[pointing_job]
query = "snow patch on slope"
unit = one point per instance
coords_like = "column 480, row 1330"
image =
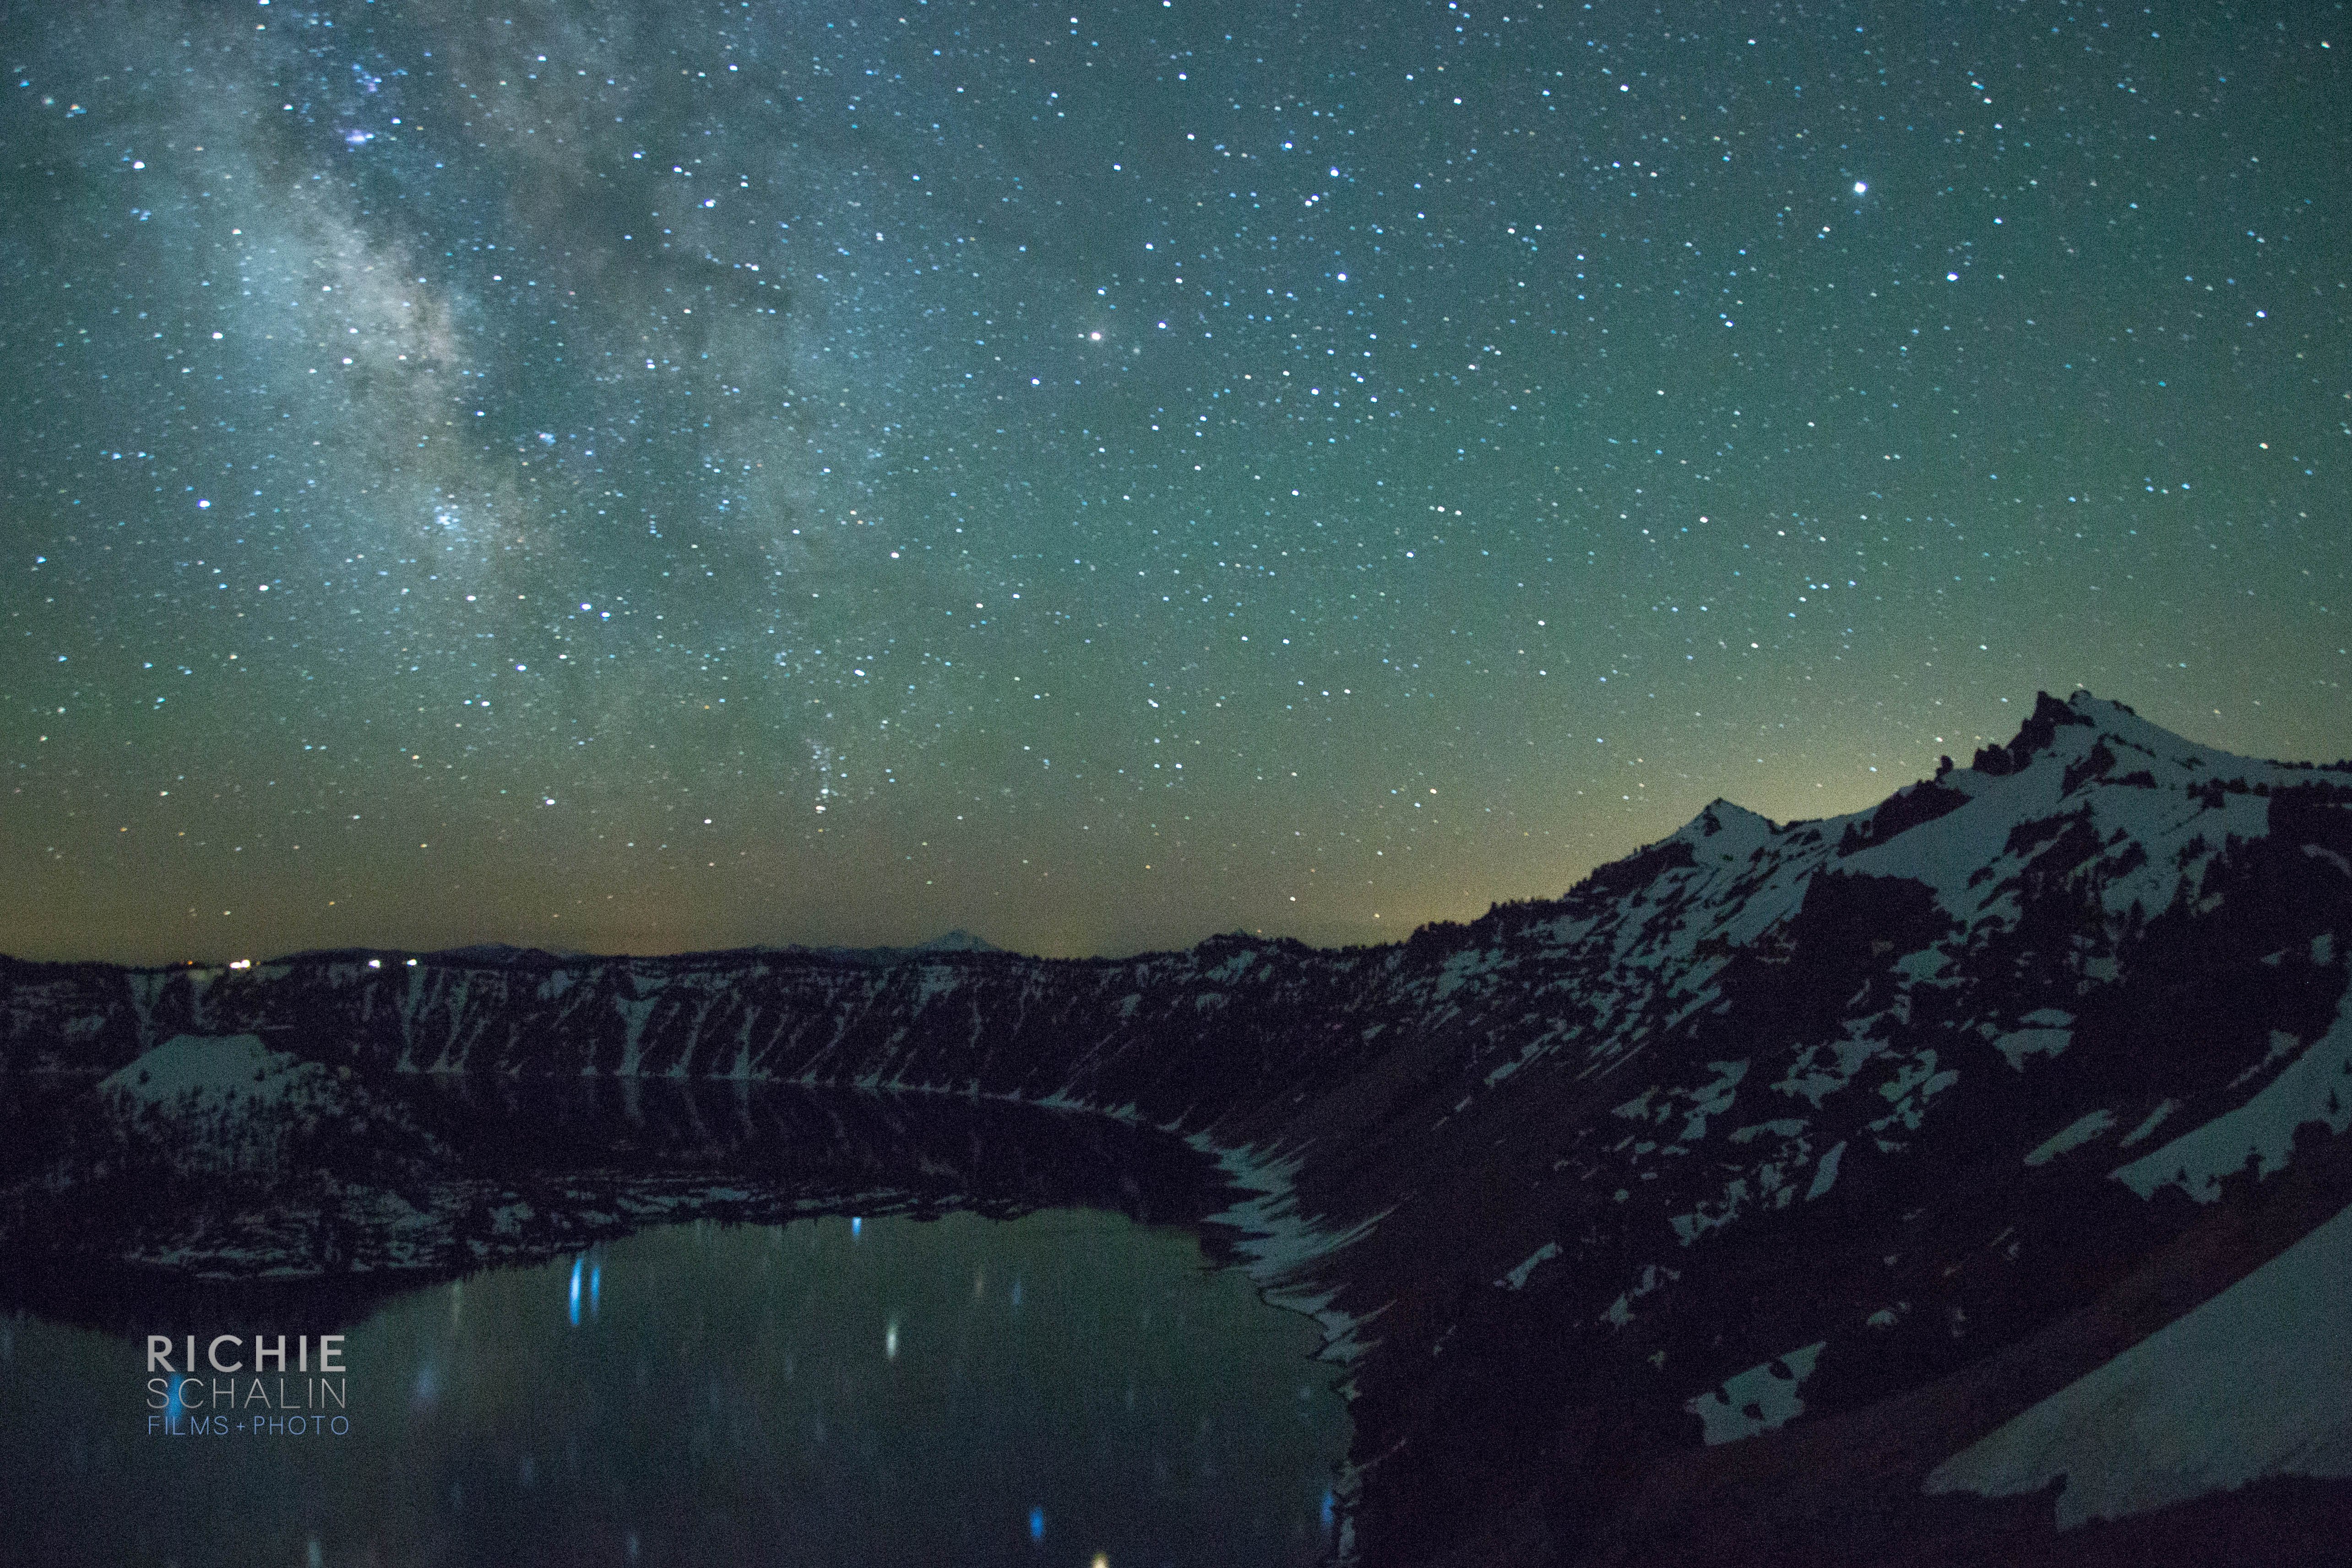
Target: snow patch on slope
column 1757, row 1400
column 1825, row 1174
column 1281, row 1243
column 216, row 1071
column 2314, row 1087
column 1517, row 1279
column 2255, row 1381
column 2072, row 1136
column 2046, row 1031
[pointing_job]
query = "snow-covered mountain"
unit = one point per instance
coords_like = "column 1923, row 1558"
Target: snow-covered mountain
column 1819, row 1190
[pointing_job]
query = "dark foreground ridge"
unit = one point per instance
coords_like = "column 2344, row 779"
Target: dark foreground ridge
column 1963, row 1181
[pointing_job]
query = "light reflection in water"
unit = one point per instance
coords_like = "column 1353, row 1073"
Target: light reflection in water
column 732, row 1409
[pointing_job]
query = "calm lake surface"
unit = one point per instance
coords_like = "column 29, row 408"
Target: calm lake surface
column 1064, row 1388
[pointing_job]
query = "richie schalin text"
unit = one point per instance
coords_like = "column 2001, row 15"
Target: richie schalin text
column 185, row 1402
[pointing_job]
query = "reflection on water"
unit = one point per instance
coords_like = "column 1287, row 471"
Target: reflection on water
column 1057, row 1389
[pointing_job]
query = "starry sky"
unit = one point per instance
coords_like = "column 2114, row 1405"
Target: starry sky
column 642, row 478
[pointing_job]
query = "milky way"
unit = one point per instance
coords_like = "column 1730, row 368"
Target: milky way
column 642, row 478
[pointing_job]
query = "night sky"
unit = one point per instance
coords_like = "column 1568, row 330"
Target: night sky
column 642, row 478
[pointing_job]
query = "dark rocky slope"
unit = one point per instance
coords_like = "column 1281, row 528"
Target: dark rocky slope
column 1702, row 1213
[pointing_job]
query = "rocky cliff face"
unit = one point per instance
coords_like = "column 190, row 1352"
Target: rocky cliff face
column 1733, row 1205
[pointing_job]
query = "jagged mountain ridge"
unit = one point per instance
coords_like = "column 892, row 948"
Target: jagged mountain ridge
column 505, row 954
column 1578, row 1142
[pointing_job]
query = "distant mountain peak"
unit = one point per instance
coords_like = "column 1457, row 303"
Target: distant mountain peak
column 499, row 953
column 958, row 941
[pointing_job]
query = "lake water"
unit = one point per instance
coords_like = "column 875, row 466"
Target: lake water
column 1064, row 1388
